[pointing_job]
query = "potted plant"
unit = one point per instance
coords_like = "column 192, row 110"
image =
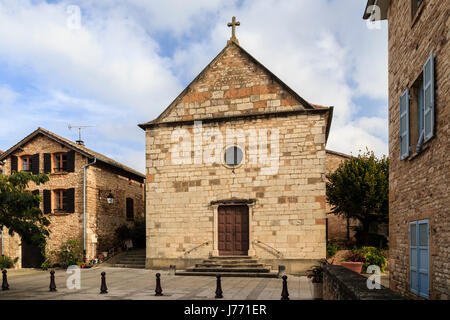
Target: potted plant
column 354, row 261
column 316, row 276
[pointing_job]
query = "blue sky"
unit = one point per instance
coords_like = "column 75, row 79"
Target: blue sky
column 129, row 59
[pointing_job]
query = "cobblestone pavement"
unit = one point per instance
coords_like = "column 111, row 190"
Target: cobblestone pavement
column 139, row 284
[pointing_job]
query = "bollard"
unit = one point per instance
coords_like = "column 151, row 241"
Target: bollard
column 219, row 288
column 103, row 287
column 5, row 285
column 285, row 293
column 158, row 290
column 52, row 281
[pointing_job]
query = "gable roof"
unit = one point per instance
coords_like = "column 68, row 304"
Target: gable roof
column 340, row 154
column 73, row 146
column 173, row 104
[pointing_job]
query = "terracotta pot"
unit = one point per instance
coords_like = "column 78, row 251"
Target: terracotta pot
column 354, row 266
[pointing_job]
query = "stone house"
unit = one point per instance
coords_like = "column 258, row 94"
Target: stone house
column 66, row 195
column 235, row 166
column 419, row 113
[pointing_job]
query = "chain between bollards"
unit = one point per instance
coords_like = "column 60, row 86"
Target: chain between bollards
column 284, row 293
column 158, row 289
column 5, row 285
column 219, row 288
column 52, row 281
column 103, row 287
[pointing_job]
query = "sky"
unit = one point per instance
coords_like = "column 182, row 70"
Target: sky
column 122, row 63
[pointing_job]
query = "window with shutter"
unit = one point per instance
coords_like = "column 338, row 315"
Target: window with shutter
column 404, row 125
column 47, row 163
column 47, row 202
column 419, row 258
column 35, row 161
column 70, row 200
column 70, row 161
column 14, row 164
column 428, row 89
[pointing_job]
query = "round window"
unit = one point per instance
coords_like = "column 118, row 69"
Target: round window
column 233, row 156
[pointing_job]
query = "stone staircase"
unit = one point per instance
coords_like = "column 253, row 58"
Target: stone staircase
column 132, row 259
column 230, row 266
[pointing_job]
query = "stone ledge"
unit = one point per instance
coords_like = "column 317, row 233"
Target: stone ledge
column 340, row 283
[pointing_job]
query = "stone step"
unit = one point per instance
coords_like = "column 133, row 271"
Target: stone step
column 211, row 261
column 128, row 265
column 230, row 274
column 236, row 265
column 218, row 269
column 230, row 257
column 131, row 259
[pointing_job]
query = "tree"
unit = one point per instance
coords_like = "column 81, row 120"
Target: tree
column 359, row 189
column 19, row 208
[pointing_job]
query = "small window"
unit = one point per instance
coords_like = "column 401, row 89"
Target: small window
column 130, row 209
column 233, row 156
column 415, row 5
column 27, row 163
column 60, row 200
column 60, row 162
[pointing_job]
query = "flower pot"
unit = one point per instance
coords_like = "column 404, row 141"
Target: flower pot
column 317, row 290
column 354, row 266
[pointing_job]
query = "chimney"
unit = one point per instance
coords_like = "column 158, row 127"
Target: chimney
column 80, row 142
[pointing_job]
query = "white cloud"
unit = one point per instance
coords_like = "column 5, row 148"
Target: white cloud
column 111, row 73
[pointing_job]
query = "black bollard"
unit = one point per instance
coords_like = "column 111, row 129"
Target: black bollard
column 5, row 285
column 158, row 290
column 284, row 293
column 103, row 288
column 219, row 288
column 52, row 281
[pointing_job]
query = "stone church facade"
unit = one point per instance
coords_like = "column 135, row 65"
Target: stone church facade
column 236, row 166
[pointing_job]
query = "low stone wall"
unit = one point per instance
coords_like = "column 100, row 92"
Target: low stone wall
column 340, row 283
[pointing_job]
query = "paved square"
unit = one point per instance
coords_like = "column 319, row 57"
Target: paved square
column 139, row 284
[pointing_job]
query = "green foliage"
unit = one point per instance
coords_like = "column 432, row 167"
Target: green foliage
column 332, row 248
column 373, row 256
column 316, row 273
column 359, row 188
column 123, row 233
column 7, row 262
column 45, row 265
column 355, row 256
column 19, row 208
column 70, row 253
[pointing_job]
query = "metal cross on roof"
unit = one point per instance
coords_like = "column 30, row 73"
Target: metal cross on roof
column 233, row 25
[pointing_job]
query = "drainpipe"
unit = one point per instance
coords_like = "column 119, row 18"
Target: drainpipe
column 1, row 227
column 84, row 206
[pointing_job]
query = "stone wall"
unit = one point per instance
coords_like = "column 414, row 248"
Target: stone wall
column 419, row 184
column 101, row 218
column 340, row 283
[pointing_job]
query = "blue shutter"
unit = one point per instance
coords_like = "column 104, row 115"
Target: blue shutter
column 413, row 262
column 419, row 257
column 423, row 257
column 404, row 125
column 428, row 88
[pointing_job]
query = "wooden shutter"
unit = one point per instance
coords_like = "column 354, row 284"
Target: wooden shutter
column 428, row 88
column 419, row 258
column 404, row 125
column 70, row 198
column 71, row 161
column 47, row 202
column 47, row 163
column 13, row 164
column 35, row 164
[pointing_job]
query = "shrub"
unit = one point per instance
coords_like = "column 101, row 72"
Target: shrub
column 70, row 253
column 373, row 256
column 332, row 248
column 7, row 262
column 355, row 256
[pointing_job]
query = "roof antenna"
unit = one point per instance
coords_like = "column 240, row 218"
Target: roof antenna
column 79, row 141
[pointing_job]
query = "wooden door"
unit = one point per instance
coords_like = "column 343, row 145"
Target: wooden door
column 233, row 230
column 31, row 256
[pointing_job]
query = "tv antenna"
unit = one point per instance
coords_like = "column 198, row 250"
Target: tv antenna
column 79, row 141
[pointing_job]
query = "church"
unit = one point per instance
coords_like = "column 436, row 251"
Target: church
column 236, row 167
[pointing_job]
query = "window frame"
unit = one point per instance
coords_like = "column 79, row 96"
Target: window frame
column 129, row 218
column 224, row 156
column 61, row 162
column 29, row 160
column 62, row 194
